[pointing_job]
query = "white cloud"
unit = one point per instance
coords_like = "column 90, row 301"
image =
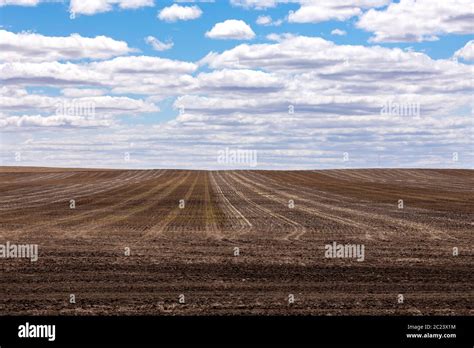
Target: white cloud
column 241, row 97
column 420, row 20
column 91, row 7
column 102, row 105
column 146, row 75
column 324, row 10
column 132, row 4
column 279, row 37
column 258, row 4
column 157, row 44
column 143, row 65
column 19, row 2
column 238, row 81
column 82, row 92
column 267, row 21
column 50, row 74
column 338, row 32
column 314, row 64
column 467, row 52
column 33, row 47
column 315, row 11
column 86, row 7
column 61, row 121
column 264, row 20
column 135, row 75
column 176, row 12
column 231, row 29
column 318, row 13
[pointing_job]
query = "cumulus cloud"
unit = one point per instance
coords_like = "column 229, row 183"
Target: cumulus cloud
column 143, row 65
column 315, row 11
column 82, row 92
column 61, row 121
column 420, row 20
column 158, row 45
column 92, row 106
column 50, row 74
column 258, row 4
column 338, row 32
column 19, row 2
column 132, row 4
column 264, row 20
column 86, row 7
column 134, row 74
column 91, row 7
column 34, row 47
column 231, row 29
column 324, row 10
column 176, row 12
column 267, row 20
column 362, row 78
column 242, row 80
column 467, row 52
column 301, row 101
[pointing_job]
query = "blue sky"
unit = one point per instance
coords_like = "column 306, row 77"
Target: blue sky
column 52, row 19
column 237, row 83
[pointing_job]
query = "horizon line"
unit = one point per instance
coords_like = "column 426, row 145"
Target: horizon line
column 232, row 169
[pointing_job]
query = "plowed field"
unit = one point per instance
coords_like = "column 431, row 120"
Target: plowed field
column 182, row 229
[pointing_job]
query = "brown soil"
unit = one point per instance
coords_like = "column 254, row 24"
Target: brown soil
column 190, row 250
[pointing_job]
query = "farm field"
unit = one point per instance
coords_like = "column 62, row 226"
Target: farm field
column 182, row 228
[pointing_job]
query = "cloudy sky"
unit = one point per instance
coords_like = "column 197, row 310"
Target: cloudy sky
column 301, row 84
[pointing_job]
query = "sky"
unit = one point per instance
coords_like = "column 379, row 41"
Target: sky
column 246, row 84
